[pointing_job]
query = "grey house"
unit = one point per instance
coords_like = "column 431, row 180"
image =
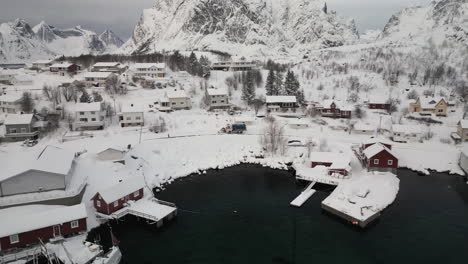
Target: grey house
column 47, row 170
column 20, row 127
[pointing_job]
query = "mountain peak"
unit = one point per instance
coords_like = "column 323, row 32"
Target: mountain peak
column 110, row 38
column 246, row 27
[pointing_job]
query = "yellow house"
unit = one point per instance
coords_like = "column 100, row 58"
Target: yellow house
column 462, row 130
column 429, row 106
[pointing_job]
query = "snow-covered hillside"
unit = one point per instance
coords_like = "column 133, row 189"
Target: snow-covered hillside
column 443, row 20
column 240, row 27
column 21, row 42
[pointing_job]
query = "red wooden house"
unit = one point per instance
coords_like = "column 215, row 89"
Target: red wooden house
column 114, row 198
column 380, row 157
column 332, row 108
column 22, row 230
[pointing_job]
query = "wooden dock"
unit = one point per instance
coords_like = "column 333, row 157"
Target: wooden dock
column 350, row 219
column 154, row 211
column 304, row 196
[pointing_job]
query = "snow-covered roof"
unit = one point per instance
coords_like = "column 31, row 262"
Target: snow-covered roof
column 177, row 94
column 429, row 102
column 338, row 104
column 43, row 61
column 380, row 140
column 407, row 129
column 212, row 92
column 463, row 123
column 375, row 149
column 280, row 99
column 106, row 64
column 61, row 65
column 97, row 74
column 298, row 122
column 40, row 219
column 88, row 107
column 329, row 157
column 364, row 127
column 121, row 189
column 19, row 119
column 132, row 108
column 149, row 65
column 49, row 159
column 10, row 98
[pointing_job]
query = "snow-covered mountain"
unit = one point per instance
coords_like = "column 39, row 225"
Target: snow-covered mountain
column 241, row 27
column 442, row 20
column 21, row 42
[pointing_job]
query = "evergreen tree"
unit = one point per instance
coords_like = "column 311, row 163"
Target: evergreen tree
column 289, row 87
column 325, row 8
column 248, row 89
column 270, row 83
column 27, row 103
column 300, row 97
column 205, row 67
column 278, row 87
column 85, row 98
column 192, row 65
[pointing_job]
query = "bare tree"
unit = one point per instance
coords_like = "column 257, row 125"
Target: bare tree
column 257, row 103
column 272, row 138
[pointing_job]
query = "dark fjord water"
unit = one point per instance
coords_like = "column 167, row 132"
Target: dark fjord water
column 242, row 215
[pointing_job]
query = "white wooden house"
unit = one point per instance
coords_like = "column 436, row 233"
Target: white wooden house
column 281, row 103
column 406, row 133
column 178, row 99
column 363, row 129
column 97, row 79
column 114, row 67
column 131, row 115
column 10, row 103
column 88, row 116
column 149, row 70
column 217, row 99
column 42, row 64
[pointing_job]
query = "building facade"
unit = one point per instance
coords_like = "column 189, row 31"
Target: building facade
column 281, row 103
column 149, row 70
column 333, row 109
column 19, row 127
column 217, row 99
column 114, row 198
column 88, row 116
column 131, row 116
column 429, row 106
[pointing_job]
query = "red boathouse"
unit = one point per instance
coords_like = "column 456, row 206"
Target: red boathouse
column 114, row 198
column 29, row 229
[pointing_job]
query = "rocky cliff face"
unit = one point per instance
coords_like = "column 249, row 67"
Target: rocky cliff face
column 241, row 27
column 441, row 21
column 20, row 42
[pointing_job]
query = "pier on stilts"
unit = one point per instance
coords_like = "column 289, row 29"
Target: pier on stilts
column 304, row 196
column 154, row 211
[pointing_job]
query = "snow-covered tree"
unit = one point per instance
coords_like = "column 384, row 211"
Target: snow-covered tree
column 27, row 103
column 85, row 98
column 248, row 89
column 270, row 83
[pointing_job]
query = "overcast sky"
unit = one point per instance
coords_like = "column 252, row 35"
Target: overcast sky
column 122, row 15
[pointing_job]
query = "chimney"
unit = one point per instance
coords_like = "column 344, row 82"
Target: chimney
column 131, row 105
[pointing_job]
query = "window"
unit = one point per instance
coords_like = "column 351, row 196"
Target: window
column 138, row 118
column 74, row 224
column 441, row 110
column 135, row 194
column 129, row 118
column 222, row 101
column 376, row 161
column 116, row 203
column 390, row 162
column 93, row 119
column 12, row 130
column 23, row 130
column 83, row 119
column 14, row 239
column 93, row 113
column 98, row 203
column 81, row 113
